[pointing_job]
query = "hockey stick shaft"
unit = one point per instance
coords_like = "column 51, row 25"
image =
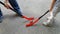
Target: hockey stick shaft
column 44, row 14
column 40, row 17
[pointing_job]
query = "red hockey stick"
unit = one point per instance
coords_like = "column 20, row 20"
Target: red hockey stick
column 33, row 22
column 30, row 18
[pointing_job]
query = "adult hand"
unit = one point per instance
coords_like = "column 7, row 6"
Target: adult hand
column 6, row 5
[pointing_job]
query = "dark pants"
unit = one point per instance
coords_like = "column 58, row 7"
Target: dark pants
column 1, row 16
column 0, row 13
column 14, row 4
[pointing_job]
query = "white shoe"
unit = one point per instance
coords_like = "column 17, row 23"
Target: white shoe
column 49, row 22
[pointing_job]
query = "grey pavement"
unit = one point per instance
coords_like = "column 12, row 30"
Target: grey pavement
column 32, row 8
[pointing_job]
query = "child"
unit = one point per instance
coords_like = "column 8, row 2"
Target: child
column 54, row 9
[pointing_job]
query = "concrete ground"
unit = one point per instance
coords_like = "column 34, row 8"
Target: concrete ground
column 32, row 8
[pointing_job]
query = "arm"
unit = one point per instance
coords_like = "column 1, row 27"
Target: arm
column 52, row 4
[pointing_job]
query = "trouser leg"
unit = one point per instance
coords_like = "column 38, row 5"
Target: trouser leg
column 14, row 4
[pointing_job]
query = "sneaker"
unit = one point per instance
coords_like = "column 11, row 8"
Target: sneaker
column 49, row 22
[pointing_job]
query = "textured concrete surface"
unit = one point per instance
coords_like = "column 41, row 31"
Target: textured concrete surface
column 15, row 25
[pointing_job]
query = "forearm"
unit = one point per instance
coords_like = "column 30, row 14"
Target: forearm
column 52, row 4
